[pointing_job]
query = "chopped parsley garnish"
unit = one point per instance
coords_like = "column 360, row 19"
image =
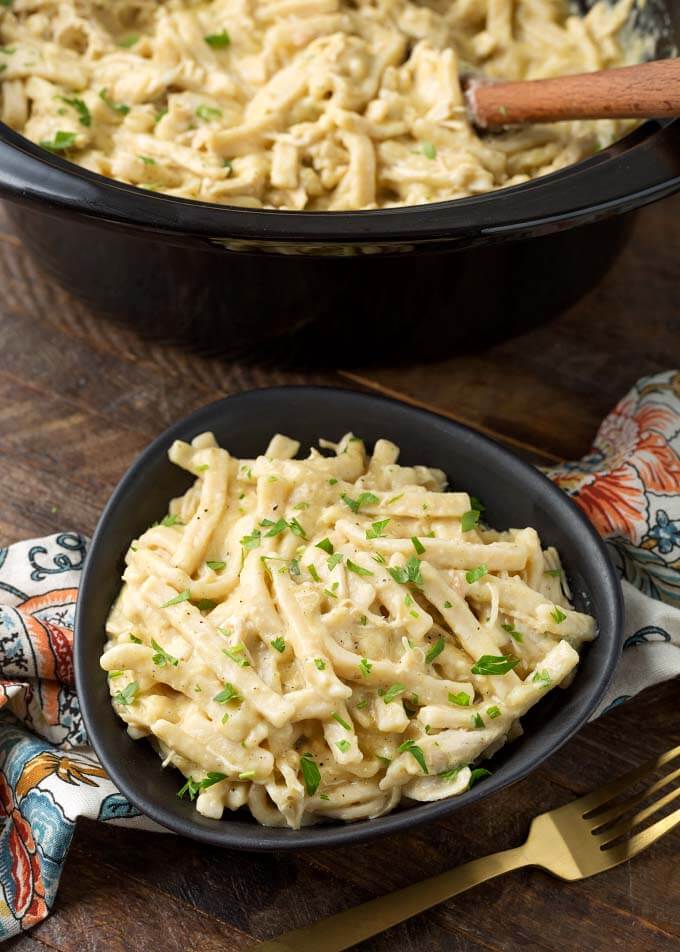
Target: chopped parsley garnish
column 162, row 657
column 366, row 667
column 462, row 699
column 135, row 640
column 310, row 774
column 194, row 787
column 127, row 695
column 171, row 520
column 147, row 160
column 493, row 712
column 332, row 482
column 228, row 693
column 127, row 41
column 362, row 704
column 216, row 566
column 363, row 620
column 205, row 604
column 377, row 529
column 408, row 573
column 208, row 112
column 252, row 541
column 435, row 650
column 319, row 664
column 380, row 559
column 218, row 41
column 558, row 615
column 182, row 597
column 343, row 745
column 116, row 674
column 341, row 722
column 334, row 560
column 324, row 796
column 542, row 677
column 301, row 506
column 477, row 720
column 475, row 574
column 478, row 774
column 494, row 664
column 274, row 527
column 390, row 502
column 326, row 545
column 429, row 150
column 448, row 605
column 297, row 529
column 118, row 107
column 278, row 644
column 313, row 572
column 417, row 545
column 237, row 653
column 357, row 569
column 553, row 573
column 393, row 692
column 331, row 593
column 61, row 143
column 512, row 631
column 410, row 747
column 364, row 499
column 84, row 116
column 451, row 773
column 470, row 519
column 247, row 775
column 294, row 567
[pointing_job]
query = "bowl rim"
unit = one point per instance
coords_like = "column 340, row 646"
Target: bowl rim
column 637, row 169
column 322, row 836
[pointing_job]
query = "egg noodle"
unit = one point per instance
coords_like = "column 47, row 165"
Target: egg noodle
column 317, row 639
column 298, row 104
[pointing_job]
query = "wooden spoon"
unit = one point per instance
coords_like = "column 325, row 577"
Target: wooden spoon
column 647, row 91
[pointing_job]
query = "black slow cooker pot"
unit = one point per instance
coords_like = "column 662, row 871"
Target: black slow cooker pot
column 419, row 280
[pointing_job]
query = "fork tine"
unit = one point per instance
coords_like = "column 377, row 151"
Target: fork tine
column 601, row 797
column 600, row 818
column 629, row 824
column 629, row 848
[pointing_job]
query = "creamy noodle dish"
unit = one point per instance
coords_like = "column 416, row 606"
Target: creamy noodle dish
column 298, row 104
column 323, row 638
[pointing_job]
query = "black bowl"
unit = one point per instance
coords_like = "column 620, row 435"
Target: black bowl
column 515, row 494
column 226, row 278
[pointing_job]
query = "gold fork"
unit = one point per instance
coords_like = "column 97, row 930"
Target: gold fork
column 572, row 842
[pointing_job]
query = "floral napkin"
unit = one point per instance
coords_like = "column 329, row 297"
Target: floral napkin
column 629, row 486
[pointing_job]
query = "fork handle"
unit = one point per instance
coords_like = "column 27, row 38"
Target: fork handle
column 361, row 922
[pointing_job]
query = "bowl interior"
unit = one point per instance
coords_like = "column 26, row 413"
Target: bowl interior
column 514, row 493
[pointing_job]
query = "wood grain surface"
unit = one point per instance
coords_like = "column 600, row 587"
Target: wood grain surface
column 79, row 397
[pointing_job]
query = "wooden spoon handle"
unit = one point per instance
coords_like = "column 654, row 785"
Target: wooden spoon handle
column 646, row 91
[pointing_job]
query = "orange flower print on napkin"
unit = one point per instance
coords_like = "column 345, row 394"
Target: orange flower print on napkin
column 635, row 453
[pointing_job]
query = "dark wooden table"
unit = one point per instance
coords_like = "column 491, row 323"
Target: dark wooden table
column 80, row 397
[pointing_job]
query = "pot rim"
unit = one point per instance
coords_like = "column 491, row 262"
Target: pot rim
column 638, row 169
